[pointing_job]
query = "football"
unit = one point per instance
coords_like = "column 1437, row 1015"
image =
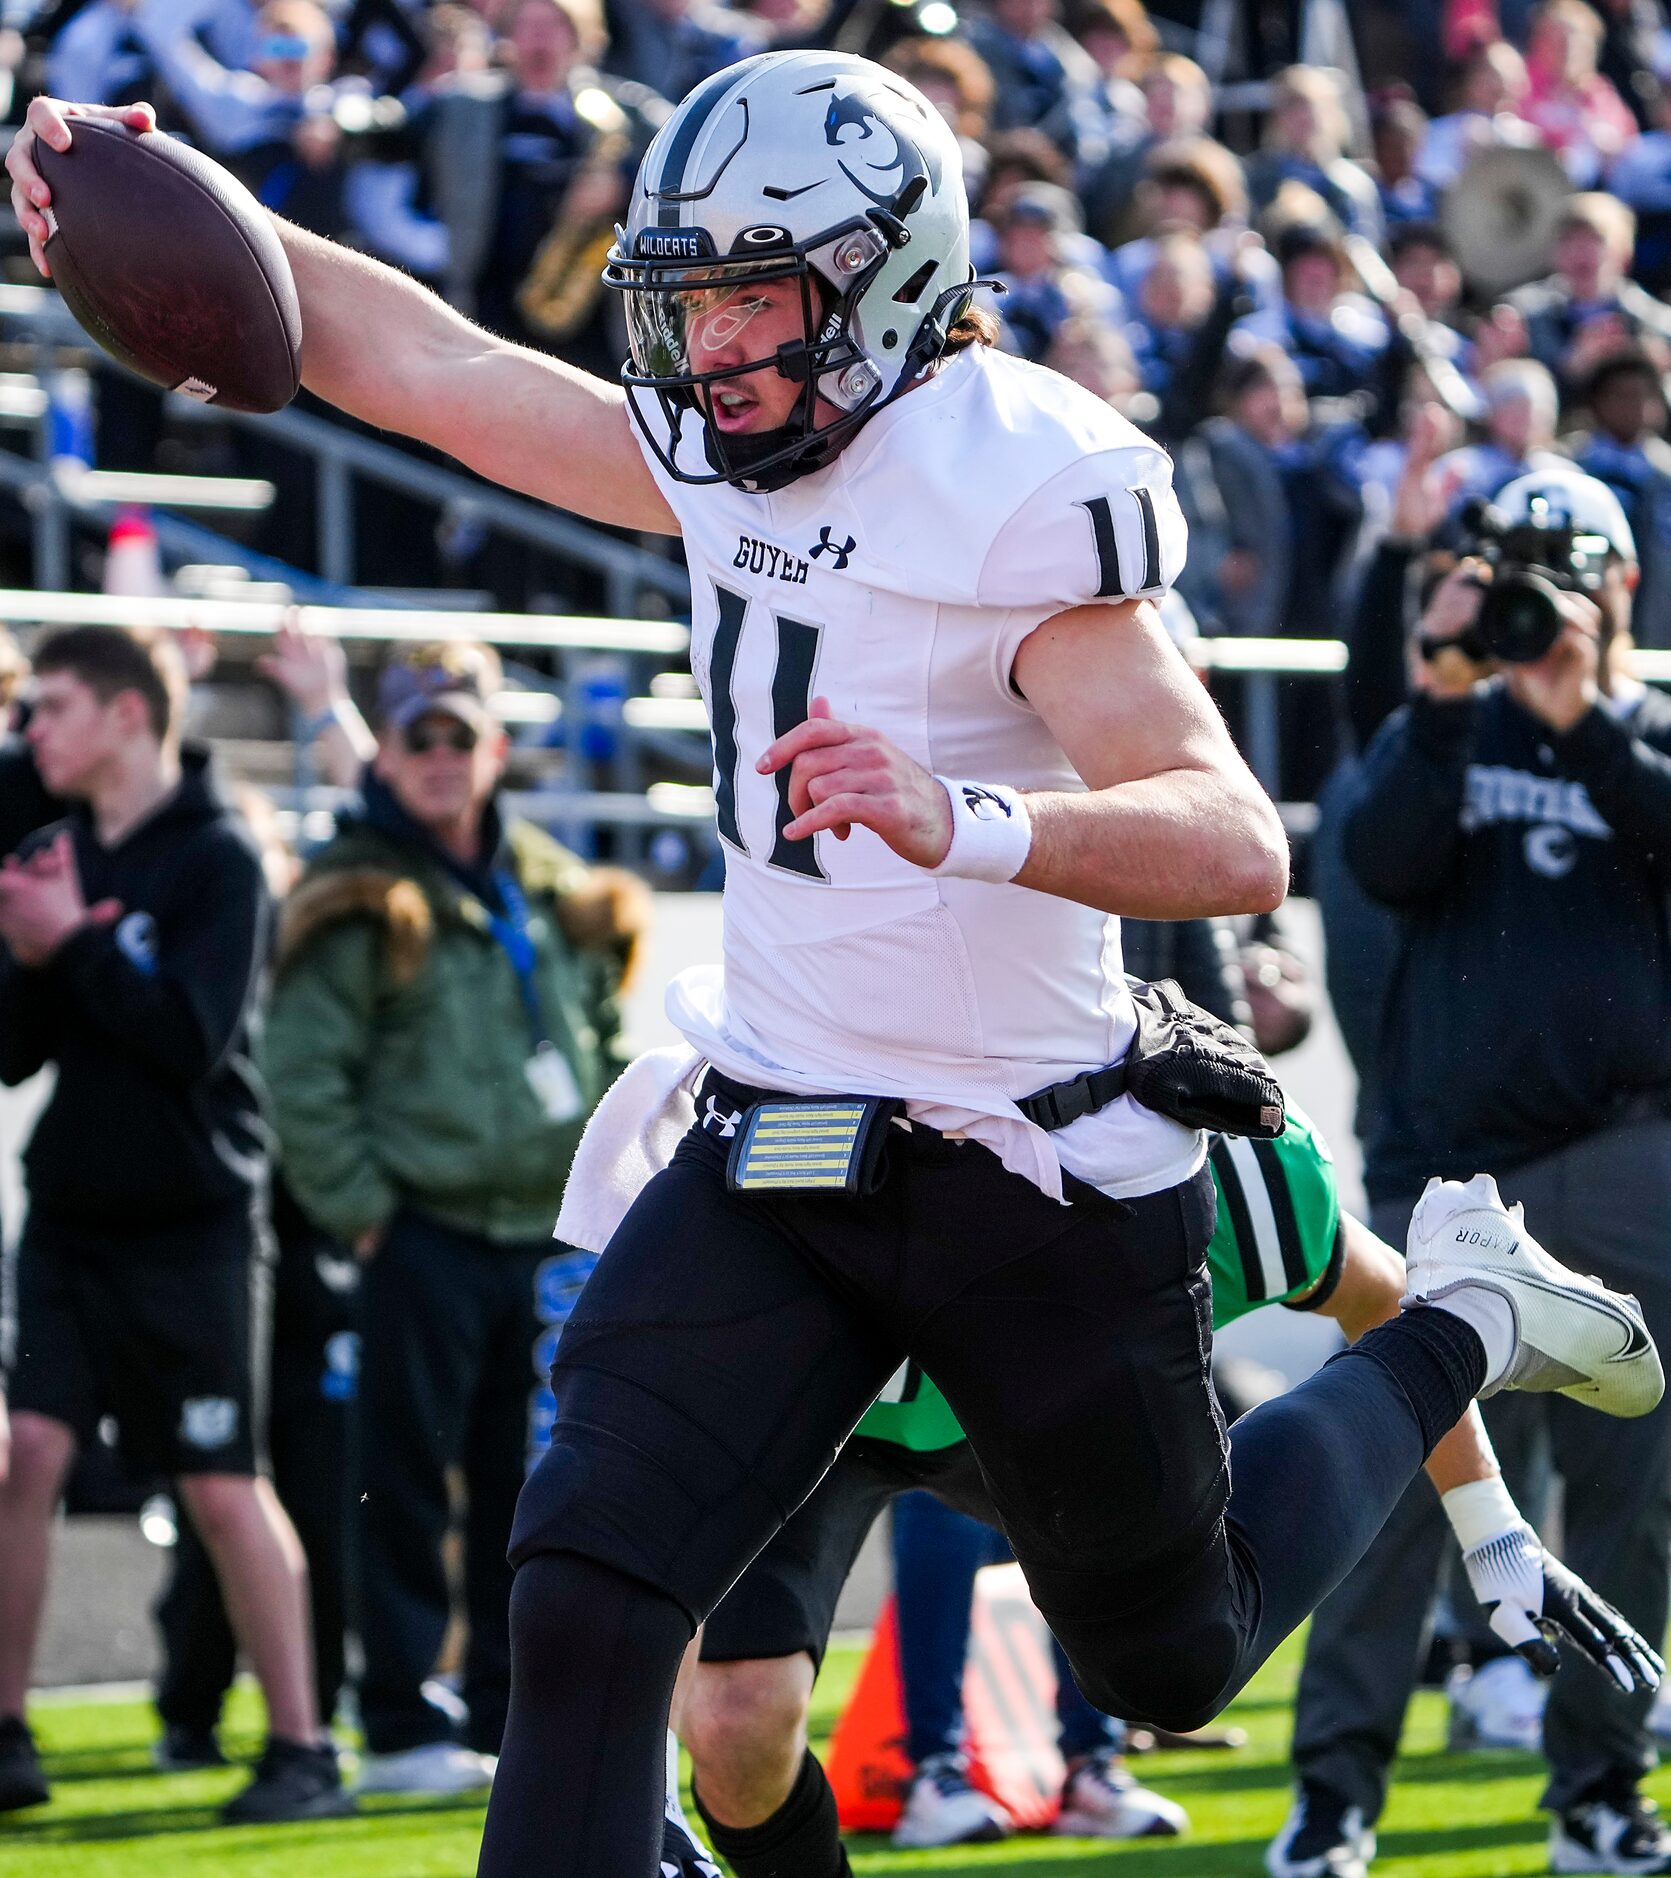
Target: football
column 172, row 266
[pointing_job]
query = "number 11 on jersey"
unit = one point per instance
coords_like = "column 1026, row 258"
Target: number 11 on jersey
column 797, row 660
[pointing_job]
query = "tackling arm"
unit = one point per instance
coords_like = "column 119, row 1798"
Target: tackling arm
column 1527, row 1593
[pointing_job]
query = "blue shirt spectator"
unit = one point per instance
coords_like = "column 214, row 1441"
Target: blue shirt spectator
column 1334, row 337
column 1305, row 142
column 1397, row 130
column 1040, row 72
column 1038, row 236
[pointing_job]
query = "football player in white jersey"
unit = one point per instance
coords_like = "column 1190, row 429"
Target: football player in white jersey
column 952, row 745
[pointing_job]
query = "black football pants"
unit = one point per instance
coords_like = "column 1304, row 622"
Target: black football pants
column 727, row 1344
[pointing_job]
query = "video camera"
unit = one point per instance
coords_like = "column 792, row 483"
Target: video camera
column 1532, row 563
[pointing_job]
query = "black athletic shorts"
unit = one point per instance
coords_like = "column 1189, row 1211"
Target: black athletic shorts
column 727, row 1344
column 786, row 1601
column 165, row 1329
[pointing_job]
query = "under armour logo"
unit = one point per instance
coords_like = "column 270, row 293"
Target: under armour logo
column 841, row 550
column 727, row 1123
column 982, row 803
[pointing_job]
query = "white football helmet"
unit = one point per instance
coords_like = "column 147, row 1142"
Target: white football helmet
column 1567, row 498
column 815, row 166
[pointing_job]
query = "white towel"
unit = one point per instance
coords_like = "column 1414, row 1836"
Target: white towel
column 630, row 1139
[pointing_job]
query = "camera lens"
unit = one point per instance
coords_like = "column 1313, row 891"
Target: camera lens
column 1520, row 617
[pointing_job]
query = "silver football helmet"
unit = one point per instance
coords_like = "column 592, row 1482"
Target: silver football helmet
column 813, row 166
column 1566, row 498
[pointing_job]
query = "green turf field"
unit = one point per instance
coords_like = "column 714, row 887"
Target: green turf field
column 1451, row 1816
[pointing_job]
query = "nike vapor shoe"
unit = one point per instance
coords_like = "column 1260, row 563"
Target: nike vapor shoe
column 1572, row 1334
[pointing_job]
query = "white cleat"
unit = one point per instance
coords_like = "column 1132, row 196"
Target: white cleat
column 942, row 1808
column 1101, row 1799
column 1572, row 1334
column 436, row 1767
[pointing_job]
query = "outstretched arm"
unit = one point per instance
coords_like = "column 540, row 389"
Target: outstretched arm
column 388, row 351
column 393, row 354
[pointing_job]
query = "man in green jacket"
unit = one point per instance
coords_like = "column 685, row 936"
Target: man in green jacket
column 444, row 1020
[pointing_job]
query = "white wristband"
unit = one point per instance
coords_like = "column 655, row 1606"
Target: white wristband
column 1480, row 1511
column 992, row 832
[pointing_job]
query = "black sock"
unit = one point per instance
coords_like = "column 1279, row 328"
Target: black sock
column 1436, row 1359
column 582, row 1780
column 801, row 1839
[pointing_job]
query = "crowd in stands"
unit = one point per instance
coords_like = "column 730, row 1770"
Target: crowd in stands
column 1270, row 277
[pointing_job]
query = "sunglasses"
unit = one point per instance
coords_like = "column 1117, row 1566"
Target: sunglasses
column 420, row 738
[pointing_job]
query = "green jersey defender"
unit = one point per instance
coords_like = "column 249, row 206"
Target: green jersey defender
column 1278, row 1240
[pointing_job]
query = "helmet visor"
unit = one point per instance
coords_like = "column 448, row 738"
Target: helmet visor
column 711, row 320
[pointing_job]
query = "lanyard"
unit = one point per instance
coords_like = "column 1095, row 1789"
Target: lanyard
column 511, row 930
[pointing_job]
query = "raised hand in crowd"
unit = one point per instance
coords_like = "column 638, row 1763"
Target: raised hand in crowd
column 1418, row 502
column 311, row 669
column 198, row 652
column 1500, row 335
column 1593, row 342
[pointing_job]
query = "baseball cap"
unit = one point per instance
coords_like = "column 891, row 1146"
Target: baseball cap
column 1571, row 500
column 451, row 679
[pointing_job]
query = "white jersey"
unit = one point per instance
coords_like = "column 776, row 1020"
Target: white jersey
column 898, row 583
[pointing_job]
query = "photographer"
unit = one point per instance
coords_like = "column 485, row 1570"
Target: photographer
column 1517, row 815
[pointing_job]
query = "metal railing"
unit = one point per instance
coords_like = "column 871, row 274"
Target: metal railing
column 659, row 710
column 560, row 631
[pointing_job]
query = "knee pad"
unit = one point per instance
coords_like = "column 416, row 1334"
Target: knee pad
column 1178, row 1681
column 572, row 1616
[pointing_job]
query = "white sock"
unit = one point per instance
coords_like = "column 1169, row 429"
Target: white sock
column 1491, row 1317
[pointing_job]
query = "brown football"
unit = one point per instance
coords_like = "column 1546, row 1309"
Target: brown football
column 172, row 266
